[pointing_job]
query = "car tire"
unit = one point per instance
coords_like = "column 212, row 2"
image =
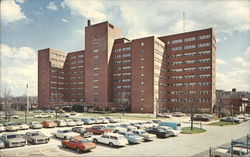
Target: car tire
column 111, row 144
column 95, row 140
column 78, row 150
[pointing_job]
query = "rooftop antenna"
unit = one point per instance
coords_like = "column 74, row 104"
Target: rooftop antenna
column 184, row 22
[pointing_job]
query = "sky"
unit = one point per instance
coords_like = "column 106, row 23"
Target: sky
column 30, row 25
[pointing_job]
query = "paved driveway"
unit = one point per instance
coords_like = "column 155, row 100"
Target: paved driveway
column 183, row 145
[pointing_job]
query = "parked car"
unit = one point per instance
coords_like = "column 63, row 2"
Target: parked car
column 112, row 140
column 159, row 132
column 35, row 125
column 70, row 122
column 37, row 111
column 13, row 140
column 177, row 114
column 227, row 152
column 60, row 123
column 98, row 129
column 22, row 126
column 15, row 117
column 164, row 115
column 79, row 144
column 64, row 134
column 78, row 122
column 49, row 124
column 156, row 121
column 49, row 111
column 43, row 116
column 87, row 121
column 2, row 144
column 112, row 120
column 36, row 137
column 2, row 128
column 231, row 119
column 131, row 137
column 10, row 126
column 73, row 113
column 146, row 136
column 201, row 118
column 82, row 131
column 242, row 117
column 63, row 115
column 96, row 121
column 102, row 120
column 128, row 127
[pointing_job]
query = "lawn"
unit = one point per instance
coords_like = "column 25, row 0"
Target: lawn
column 222, row 123
column 187, row 130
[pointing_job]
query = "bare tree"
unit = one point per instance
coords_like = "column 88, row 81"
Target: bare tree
column 7, row 101
column 123, row 102
column 222, row 100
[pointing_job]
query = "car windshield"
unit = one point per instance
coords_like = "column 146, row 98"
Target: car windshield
column 102, row 127
column 35, row 134
column 84, row 141
column 130, row 134
column 143, row 132
column 13, row 136
column 66, row 131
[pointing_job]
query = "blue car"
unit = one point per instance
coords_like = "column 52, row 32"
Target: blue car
column 131, row 137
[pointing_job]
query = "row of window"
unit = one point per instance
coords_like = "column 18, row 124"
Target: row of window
column 123, row 55
column 74, row 67
column 190, row 39
column 79, row 56
column 190, row 84
column 178, row 48
column 122, row 74
column 125, row 86
column 79, row 61
column 122, row 49
column 188, row 92
column 123, row 80
column 189, row 100
column 122, row 62
column 122, row 68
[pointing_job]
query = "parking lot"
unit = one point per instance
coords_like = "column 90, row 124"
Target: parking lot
column 183, row 145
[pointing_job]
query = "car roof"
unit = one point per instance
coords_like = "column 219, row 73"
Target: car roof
column 78, row 138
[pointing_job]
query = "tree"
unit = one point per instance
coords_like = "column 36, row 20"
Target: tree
column 222, row 100
column 123, row 102
column 58, row 101
column 7, row 101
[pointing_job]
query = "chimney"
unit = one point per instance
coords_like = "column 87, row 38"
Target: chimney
column 89, row 22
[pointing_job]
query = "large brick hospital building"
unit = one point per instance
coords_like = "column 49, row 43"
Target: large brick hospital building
column 152, row 73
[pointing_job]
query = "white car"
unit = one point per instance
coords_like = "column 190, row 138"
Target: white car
column 112, row 140
column 64, row 134
column 43, row 116
column 176, row 132
column 22, row 126
column 2, row 128
column 78, row 122
column 35, row 125
column 11, row 126
column 146, row 136
column 102, row 120
column 70, row 122
column 60, row 123
column 128, row 127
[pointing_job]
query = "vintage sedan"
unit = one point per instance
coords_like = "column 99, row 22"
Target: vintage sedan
column 112, row 140
column 43, row 116
column 70, row 122
column 201, row 118
column 160, row 132
column 36, row 137
column 78, row 122
column 231, row 119
column 82, row 131
column 60, row 123
column 79, row 144
column 98, row 129
column 13, row 140
column 128, row 127
column 64, row 134
column 22, row 126
column 10, row 126
column 102, row 120
column 131, row 137
column 146, row 136
column 87, row 121
column 2, row 144
column 49, row 124
column 2, row 128
column 35, row 125
column 112, row 120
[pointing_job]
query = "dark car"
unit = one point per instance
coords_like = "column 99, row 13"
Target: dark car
column 201, row 118
column 231, row 119
column 159, row 132
column 82, row 131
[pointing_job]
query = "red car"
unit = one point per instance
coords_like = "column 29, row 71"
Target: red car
column 79, row 144
column 49, row 124
column 98, row 129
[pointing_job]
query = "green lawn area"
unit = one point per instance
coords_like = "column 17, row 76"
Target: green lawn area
column 187, row 130
column 222, row 123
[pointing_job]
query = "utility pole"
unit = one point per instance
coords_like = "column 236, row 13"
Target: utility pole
column 27, row 106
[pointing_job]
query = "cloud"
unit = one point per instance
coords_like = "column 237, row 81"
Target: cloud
column 93, row 9
column 52, row 6
column 11, row 12
column 220, row 61
column 64, row 20
column 19, row 67
column 245, row 60
column 20, row 1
